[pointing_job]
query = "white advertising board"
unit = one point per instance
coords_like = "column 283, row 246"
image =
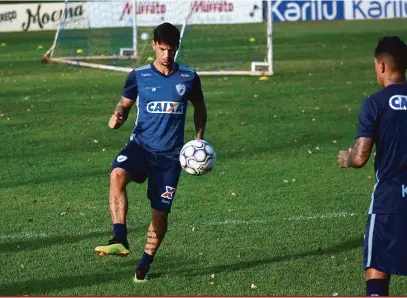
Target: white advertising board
column 102, row 14
column 43, row 16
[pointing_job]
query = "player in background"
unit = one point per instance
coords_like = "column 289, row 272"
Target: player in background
column 161, row 91
column 383, row 122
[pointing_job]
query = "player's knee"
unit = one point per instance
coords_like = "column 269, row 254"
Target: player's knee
column 118, row 177
column 372, row 273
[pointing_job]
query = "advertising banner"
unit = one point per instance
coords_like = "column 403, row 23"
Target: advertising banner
column 119, row 13
column 368, row 9
column 314, row 10
column 42, row 16
column 153, row 13
column 106, row 14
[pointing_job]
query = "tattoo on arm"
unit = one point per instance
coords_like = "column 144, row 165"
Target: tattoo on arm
column 123, row 109
column 120, row 108
column 363, row 147
column 361, row 152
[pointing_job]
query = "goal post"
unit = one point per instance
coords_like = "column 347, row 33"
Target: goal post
column 218, row 37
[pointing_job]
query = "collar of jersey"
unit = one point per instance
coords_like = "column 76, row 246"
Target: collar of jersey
column 176, row 66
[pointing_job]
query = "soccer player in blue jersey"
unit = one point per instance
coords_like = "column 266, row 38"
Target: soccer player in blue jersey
column 161, row 91
column 383, row 122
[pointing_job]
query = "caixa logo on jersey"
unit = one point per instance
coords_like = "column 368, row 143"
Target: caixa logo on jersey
column 313, row 10
column 398, row 102
column 165, row 107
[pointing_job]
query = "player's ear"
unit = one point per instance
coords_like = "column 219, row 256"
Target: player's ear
column 153, row 44
column 382, row 66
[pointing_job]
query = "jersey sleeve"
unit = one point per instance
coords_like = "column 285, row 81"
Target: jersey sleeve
column 367, row 119
column 130, row 89
column 196, row 92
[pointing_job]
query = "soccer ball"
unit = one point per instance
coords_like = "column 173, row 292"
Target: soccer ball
column 145, row 36
column 197, row 157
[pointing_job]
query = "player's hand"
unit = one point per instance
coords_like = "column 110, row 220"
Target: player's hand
column 344, row 158
column 116, row 120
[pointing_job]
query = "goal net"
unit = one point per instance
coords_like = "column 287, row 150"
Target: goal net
column 217, row 36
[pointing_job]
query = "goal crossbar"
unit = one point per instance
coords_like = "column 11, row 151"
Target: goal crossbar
column 68, row 61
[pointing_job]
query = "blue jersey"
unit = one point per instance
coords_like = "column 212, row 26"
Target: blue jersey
column 162, row 102
column 383, row 117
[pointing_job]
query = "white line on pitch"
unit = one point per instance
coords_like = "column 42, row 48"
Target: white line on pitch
column 291, row 218
column 323, row 216
column 33, row 235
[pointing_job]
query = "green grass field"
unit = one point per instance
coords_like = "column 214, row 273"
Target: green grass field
column 277, row 213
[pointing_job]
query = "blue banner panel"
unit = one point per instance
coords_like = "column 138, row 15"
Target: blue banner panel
column 313, row 10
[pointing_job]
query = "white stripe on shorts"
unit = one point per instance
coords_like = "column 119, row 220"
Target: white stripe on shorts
column 370, row 240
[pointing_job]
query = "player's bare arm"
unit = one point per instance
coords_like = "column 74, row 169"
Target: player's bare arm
column 357, row 156
column 199, row 118
column 121, row 113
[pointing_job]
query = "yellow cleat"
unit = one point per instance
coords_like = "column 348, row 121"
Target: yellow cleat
column 113, row 248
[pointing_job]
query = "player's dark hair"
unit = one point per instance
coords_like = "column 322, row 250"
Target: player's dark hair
column 394, row 50
column 167, row 33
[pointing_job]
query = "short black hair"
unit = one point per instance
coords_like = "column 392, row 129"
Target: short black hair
column 167, row 33
column 394, row 50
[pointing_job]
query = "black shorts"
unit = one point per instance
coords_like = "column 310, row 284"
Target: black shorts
column 161, row 172
column 385, row 246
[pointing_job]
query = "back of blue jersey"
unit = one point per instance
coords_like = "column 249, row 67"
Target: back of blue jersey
column 383, row 117
column 162, row 102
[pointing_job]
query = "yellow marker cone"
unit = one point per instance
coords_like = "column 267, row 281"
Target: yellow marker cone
column 150, row 59
column 79, row 51
column 263, row 78
column 40, row 47
column 3, row 44
column 252, row 39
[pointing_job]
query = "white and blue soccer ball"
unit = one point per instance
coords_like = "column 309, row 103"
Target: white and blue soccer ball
column 197, row 157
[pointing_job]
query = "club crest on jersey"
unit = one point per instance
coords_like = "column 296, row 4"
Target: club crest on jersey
column 181, row 89
column 121, row 158
column 169, row 193
column 165, row 107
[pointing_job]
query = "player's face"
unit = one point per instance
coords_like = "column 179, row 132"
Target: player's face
column 379, row 71
column 164, row 53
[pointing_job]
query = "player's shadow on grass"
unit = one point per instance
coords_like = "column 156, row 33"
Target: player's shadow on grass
column 56, row 178
column 40, row 242
column 345, row 246
column 44, row 286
